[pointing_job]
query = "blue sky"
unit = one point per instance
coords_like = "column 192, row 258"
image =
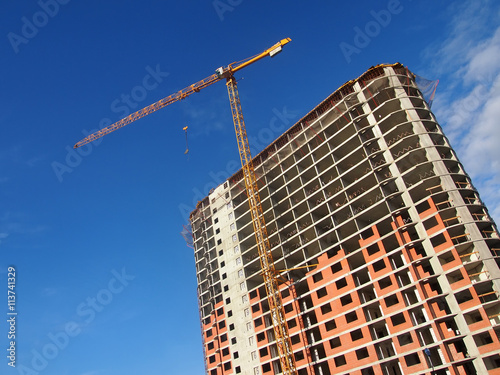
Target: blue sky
column 102, row 270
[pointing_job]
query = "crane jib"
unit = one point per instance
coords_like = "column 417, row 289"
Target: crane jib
column 272, row 287
column 196, row 87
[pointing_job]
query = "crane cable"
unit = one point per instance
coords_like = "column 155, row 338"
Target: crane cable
column 186, row 132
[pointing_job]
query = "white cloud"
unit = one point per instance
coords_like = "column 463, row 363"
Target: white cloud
column 34, row 161
column 48, row 292
column 483, row 64
column 469, row 107
column 2, row 236
column 205, row 120
column 12, row 223
column 466, row 29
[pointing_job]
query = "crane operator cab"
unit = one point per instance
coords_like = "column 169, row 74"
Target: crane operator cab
column 221, row 72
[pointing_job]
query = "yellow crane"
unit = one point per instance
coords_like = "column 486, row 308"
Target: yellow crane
column 269, row 272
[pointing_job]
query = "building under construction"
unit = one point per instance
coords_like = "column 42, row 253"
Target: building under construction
column 388, row 260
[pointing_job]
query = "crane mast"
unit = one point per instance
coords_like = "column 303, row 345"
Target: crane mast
column 276, row 310
column 269, row 273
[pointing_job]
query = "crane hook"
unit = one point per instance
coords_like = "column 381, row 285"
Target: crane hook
column 185, row 131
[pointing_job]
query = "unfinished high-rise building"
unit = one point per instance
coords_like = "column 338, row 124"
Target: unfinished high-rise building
column 388, row 259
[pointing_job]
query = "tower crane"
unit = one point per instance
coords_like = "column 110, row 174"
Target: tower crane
column 269, row 272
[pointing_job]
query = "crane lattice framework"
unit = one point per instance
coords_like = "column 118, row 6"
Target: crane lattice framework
column 269, row 273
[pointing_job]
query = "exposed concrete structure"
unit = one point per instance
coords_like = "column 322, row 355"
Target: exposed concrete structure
column 391, row 260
